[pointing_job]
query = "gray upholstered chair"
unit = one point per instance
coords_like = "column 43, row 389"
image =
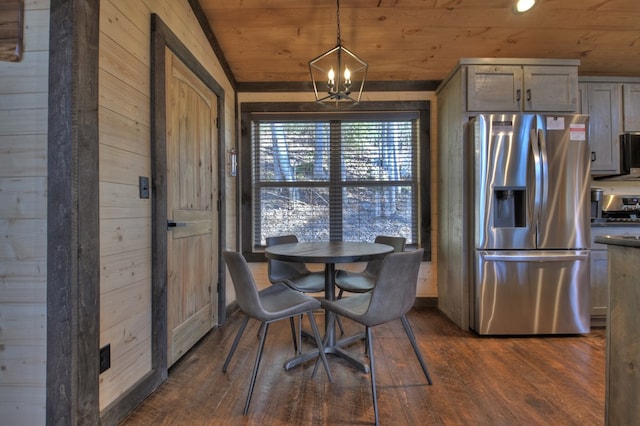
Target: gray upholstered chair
column 362, row 282
column 391, row 298
column 296, row 275
column 274, row 303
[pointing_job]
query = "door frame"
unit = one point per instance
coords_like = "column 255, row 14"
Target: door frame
column 161, row 37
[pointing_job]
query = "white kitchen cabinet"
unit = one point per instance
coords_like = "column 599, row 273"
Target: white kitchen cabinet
column 530, row 88
column 601, row 100
column 631, row 107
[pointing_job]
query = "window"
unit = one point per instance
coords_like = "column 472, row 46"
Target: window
column 333, row 175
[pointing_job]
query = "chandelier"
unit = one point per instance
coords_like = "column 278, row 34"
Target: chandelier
column 338, row 75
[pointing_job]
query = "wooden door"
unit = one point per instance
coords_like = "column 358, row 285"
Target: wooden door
column 192, row 241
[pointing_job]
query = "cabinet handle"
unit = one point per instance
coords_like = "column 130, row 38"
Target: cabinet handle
column 528, row 95
column 518, row 94
column 593, row 156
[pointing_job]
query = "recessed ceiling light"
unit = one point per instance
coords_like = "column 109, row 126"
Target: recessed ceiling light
column 524, row 5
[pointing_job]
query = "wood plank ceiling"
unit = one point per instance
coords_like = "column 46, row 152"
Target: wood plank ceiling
column 421, row 40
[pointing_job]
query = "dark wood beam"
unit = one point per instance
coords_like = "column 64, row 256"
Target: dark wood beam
column 73, row 244
column 369, row 86
column 213, row 41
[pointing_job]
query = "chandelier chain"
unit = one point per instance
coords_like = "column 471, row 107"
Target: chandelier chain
column 338, row 21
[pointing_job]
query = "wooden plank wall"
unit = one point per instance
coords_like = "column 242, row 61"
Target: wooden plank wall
column 23, row 207
column 125, row 219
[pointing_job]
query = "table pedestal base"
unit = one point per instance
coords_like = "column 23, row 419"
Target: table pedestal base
column 329, row 253
column 332, row 345
column 332, row 350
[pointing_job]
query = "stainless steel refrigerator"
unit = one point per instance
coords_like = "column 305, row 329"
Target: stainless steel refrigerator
column 529, row 187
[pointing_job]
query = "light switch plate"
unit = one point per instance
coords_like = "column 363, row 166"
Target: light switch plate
column 144, row 187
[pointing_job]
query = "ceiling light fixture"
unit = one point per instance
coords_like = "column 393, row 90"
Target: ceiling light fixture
column 338, row 75
column 523, row 5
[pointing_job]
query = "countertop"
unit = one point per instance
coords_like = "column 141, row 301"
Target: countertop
column 597, row 224
column 620, row 240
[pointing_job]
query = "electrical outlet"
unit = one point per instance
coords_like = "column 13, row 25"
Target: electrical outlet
column 105, row 358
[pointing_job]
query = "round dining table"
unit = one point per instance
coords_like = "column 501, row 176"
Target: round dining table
column 329, row 253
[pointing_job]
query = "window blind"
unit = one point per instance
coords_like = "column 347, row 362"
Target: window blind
column 335, row 178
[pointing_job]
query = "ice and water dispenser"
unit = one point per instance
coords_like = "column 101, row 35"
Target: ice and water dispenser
column 509, row 207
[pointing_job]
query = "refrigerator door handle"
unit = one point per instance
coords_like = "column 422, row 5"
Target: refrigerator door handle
column 544, row 162
column 537, row 167
column 536, row 256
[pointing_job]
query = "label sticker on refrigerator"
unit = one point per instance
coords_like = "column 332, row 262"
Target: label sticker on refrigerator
column 555, row 123
column 505, row 126
column 577, row 132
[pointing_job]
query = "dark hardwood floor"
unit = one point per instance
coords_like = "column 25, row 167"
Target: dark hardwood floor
column 476, row 380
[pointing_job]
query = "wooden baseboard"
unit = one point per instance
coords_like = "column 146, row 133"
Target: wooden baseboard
column 598, row 322
column 231, row 308
column 425, row 302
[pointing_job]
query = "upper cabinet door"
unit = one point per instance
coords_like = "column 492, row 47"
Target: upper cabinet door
column 550, row 88
column 494, row 88
column 515, row 88
column 602, row 102
column 631, row 107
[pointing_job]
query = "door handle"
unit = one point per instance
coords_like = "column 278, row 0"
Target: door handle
column 172, row 224
column 535, row 256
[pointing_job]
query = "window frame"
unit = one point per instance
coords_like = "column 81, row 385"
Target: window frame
column 249, row 110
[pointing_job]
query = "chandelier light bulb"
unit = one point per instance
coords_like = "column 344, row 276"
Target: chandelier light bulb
column 332, row 75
